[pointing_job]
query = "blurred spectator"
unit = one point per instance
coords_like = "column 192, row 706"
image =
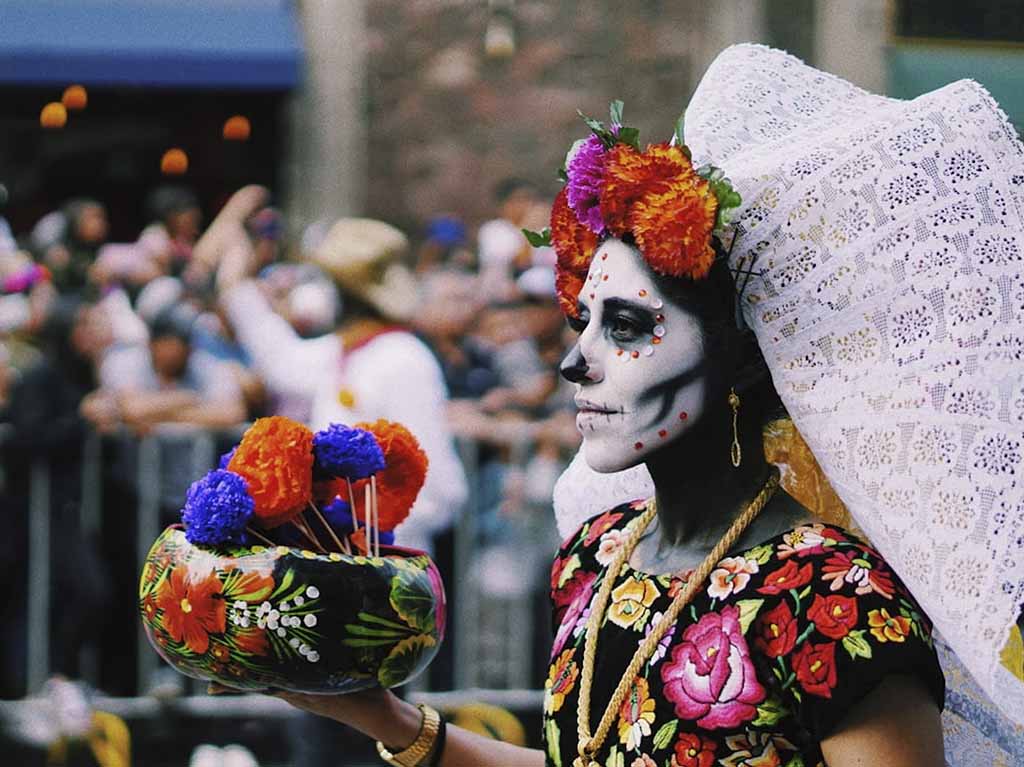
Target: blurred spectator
column 503, row 250
column 70, row 256
column 371, row 367
column 42, row 411
column 169, row 382
column 444, row 246
column 176, row 217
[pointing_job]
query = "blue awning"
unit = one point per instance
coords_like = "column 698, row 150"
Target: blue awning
column 169, row 43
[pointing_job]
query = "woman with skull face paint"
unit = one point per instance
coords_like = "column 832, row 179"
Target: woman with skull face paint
column 717, row 623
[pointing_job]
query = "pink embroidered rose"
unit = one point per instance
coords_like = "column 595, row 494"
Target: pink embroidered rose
column 711, row 678
column 570, row 602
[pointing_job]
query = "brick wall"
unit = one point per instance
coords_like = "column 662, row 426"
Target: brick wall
column 446, row 122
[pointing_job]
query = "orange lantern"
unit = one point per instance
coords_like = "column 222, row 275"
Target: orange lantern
column 237, row 128
column 54, row 116
column 75, row 97
column 174, row 162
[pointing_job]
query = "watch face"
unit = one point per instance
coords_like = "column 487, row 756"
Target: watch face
column 260, row 617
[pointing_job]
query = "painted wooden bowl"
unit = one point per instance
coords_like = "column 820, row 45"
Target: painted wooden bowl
column 259, row 617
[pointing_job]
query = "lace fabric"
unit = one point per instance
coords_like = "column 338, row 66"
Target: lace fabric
column 890, row 239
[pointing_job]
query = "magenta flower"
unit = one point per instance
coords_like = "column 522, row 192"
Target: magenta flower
column 710, row 677
column 585, row 171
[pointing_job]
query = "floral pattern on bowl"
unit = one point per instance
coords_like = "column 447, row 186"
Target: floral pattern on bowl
column 258, row 617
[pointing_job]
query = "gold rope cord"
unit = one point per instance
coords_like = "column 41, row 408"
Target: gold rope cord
column 589, row 744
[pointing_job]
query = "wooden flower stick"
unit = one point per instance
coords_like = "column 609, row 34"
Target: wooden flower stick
column 330, row 530
column 303, row 528
column 367, row 512
column 376, row 514
column 260, row 537
column 352, row 503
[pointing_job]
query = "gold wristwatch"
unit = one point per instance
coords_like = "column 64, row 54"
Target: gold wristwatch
column 415, row 754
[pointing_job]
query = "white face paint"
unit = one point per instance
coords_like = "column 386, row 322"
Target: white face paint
column 638, row 364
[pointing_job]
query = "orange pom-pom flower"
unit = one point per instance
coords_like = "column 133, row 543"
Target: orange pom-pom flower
column 275, row 457
column 568, row 286
column 404, row 473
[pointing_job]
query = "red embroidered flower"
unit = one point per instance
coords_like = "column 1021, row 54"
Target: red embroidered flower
column 694, row 751
column 806, row 540
column 776, row 631
column 815, row 668
column 787, row 577
column 192, row 609
column 600, row 526
column 834, row 615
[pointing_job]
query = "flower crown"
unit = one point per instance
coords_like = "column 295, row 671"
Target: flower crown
column 613, row 189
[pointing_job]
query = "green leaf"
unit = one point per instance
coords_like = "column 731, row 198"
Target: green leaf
column 615, row 112
column 553, row 736
column 538, row 239
column 404, row 660
column 615, row 759
column 413, row 600
column 630, row 136
column 665, row 734
column 796, row 694
column 748, row 611
column 760, row 554
column 805, row 592
column 366, row 617
column 796, row 761
column 563, row 176
column 367, row 642
column 856, row 645
column 679, row 131
column 771, row 711
column 354, row 629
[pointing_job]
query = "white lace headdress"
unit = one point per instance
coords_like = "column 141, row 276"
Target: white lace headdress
column 890, row 235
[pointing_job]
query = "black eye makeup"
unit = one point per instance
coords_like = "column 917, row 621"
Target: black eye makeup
column 627, row 322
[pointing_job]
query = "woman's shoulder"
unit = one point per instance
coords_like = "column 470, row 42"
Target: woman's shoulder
column 616, row 519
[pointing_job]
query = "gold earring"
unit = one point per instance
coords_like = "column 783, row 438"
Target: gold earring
column 735, row 452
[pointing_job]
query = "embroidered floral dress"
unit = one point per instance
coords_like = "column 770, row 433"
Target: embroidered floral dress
column 761, row 666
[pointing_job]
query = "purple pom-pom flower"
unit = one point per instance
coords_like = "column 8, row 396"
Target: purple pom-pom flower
column 341, row 451
column 217, row 510
column 585, row 171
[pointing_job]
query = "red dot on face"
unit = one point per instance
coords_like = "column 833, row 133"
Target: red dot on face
column 619, row 353
column 592, row 295
column 662, row 433
column 655, row 340
column 604, row 256
column 638, row 446
column 659, row 317
column 643, row 293
column 683, row 416
column 636, row 354
column 605, row 278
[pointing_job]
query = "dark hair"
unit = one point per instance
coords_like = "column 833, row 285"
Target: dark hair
column 175, row 321
column 741, row 365
column 165, row 200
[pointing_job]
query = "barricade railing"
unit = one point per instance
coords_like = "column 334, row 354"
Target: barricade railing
column 507, row 643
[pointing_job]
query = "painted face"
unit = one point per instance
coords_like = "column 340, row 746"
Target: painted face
column 637, row 365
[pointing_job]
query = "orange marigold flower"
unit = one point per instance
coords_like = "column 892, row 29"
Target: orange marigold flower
column 403, row 476
column 625, row 172
column 888, row 628
column 673, row 229
column 275, row 457
column 568, row 285
column 573, row 242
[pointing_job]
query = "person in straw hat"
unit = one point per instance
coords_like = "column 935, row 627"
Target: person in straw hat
column 370, row 367
column 863, row 265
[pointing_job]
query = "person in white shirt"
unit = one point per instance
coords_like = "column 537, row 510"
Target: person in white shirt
column 370, row 367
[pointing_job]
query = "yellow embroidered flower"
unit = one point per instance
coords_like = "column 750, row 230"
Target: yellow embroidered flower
column 561, row 680
column 630, row 601
column 888, row 628
column 636, row 714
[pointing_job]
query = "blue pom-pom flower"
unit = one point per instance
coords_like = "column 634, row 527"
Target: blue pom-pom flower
column 217, row 510
column 226, row 458
column 341, row 451
column 338, row 514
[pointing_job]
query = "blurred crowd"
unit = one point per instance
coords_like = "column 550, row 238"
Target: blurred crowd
column 156, row 336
